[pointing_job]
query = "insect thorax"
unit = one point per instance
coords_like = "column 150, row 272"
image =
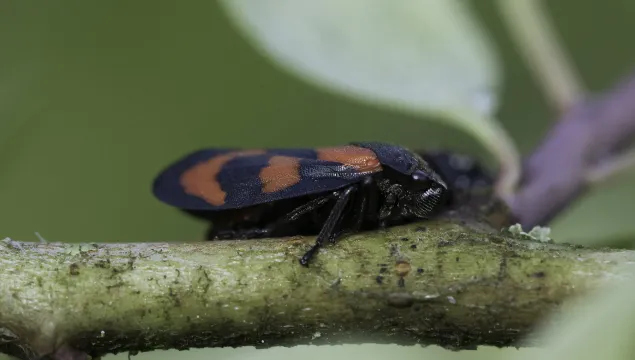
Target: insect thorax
column 400, row 200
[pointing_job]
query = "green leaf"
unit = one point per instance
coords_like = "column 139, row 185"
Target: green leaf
column 422, row 55
column 601, row 326
column 425, row 57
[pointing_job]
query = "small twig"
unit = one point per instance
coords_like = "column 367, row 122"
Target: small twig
column 588, row 137
column 611, row 168
column 510, row 167
column 540, row 46
column 584, row 148
column 41, row 238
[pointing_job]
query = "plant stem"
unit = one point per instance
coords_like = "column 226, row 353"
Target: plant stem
column 449, row 284
column 540, row 45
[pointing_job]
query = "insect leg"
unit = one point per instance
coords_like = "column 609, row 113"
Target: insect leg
column 392, row 193
column 295, row 214
column 306, row 208
column 356, row 225
column 335, row 216
column 372, row 200
column 364, row 195
column 261, row 232
column 359, row 219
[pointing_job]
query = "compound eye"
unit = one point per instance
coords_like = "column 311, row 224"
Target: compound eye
column 420, row 176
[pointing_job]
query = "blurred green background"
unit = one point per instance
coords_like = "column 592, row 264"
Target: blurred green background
column 97, row 97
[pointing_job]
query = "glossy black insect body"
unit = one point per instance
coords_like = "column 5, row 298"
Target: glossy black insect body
column 462, row 174
column 283, row 192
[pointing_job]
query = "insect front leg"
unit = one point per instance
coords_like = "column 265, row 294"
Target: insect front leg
column 391, row 195
column 364, row 194
column 334, row 218
column 366, row 203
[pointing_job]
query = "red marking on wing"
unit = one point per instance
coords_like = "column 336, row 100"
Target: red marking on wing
column 282, row 172
column 361, row 159
column 200, row 180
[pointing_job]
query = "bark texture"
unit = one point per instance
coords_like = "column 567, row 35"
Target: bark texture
column 449, row 282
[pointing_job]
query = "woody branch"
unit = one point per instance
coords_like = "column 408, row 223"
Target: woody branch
column 588, row 144
column 453, row 284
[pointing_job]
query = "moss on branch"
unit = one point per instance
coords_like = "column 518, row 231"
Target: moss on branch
column 441, row 282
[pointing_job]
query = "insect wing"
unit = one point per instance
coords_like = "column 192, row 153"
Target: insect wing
column 219, row 179
column 167, row 185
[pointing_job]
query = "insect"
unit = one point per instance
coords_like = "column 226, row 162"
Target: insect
column 462, row 173
column 326, row 192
